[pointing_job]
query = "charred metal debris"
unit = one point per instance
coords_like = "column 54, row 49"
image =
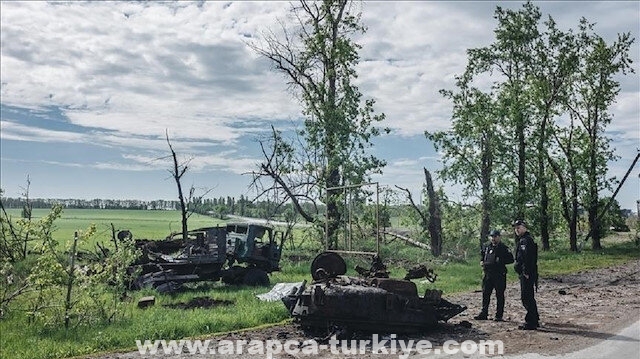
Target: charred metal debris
column 237, row 253
column 372, row 303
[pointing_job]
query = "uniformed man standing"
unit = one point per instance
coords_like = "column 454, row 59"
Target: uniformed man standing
column 527, row 268
column 495, row 256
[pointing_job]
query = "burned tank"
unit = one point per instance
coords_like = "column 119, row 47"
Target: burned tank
column 372, row 303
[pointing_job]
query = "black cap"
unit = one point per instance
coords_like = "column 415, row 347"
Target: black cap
column 494, row 233
column 519, row 222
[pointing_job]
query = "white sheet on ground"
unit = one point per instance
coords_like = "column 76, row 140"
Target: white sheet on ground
column 279, row 291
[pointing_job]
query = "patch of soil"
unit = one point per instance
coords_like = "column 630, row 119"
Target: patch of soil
column 576, row 310
column 199, row 302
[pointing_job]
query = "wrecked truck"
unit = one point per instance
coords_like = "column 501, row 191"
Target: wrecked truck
column 236, row 253
column 373, row 303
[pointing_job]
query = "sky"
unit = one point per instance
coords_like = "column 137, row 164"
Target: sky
column 88, row 90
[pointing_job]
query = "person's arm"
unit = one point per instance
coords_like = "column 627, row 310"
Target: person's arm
column 530, row 266
column 506, row 256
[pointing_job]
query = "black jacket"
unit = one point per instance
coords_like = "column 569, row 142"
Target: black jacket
column 527, row 256
column 496, row 257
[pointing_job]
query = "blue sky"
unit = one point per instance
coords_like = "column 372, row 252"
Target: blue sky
column 89, row 88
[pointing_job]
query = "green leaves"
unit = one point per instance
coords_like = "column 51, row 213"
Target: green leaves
column 546, row 105
column 333, row 148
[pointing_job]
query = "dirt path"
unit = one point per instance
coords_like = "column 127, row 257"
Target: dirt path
column 593, row 306
column 576, row 311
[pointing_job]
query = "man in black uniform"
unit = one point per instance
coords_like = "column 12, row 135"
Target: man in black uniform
column 527, row 268
column 495, row 256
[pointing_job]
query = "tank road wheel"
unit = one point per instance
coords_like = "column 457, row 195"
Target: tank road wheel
column 256, row 277
column 327, row 265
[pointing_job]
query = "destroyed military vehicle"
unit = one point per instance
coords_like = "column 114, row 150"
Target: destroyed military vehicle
column 237, row 253
column 373, row 303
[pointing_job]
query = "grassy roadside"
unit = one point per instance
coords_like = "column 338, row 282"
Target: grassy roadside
column 24, row 341
column 18, row 339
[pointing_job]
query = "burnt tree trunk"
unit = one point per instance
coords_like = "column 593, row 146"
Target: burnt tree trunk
column 177, row 173
column 435, row 219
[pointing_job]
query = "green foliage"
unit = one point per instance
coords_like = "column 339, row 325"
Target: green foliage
column 594, row 90
column 506, row 140
column 42, row 279
column 104, row 284
column 13, row 283
column 22, row 274
column 334, row 147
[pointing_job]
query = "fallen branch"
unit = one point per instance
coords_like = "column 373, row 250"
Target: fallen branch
column 413, row 242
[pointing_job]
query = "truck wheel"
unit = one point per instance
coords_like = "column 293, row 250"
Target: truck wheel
column 233, row 276
column 256, row 277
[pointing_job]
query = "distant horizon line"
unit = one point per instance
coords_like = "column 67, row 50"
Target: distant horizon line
column 103, row 199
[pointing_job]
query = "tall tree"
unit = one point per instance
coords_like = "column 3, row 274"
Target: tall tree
column 511, row 57
column 554, row 62
column 564, row 163
column 319, row 59
column 595, row 90
column 177, row 171
column 469, row 148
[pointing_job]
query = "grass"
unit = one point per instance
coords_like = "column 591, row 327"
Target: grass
column 157, row 322
column 142, row 224
column 21, row 340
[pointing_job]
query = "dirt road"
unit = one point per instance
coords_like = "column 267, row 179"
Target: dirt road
column 577, row 311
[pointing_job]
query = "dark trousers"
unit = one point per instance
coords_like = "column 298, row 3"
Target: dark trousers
column 529, row 301
column 491, row 281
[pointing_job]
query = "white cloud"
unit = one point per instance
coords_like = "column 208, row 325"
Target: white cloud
column 15, row 131
column 226, row 161
column 626, row 122
column 413, row 57
column 142, row 68
column 124, row 72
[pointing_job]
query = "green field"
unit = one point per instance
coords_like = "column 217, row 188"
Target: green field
column 143, row 224
column 19, row 339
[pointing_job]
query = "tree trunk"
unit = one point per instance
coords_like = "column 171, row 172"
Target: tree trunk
column 485, row 223
column 435, row 221
column 542, row 181
column 544, row 216
column 573, row 222
column 333, row 211
column 485, row 179
column 183, row 209
column 333, row 173
column 569, row 205
column 177, row 173
column 594, row 221
column 522, row 186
